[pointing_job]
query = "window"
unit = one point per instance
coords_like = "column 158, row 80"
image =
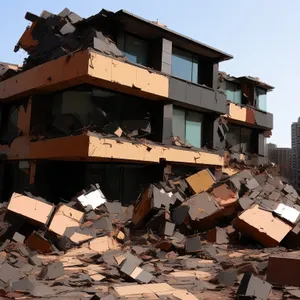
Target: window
column 261, row 96
column 185, row 65
column 135, row 49
column 242, row 139
column 233, row 93
column 187, row 125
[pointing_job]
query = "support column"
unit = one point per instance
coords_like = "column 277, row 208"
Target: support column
column 167, row 124
column 215, row 77
column 166, row 58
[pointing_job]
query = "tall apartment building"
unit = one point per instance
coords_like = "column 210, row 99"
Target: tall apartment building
column 283, row 158
column 119, row 100
column 295, row 130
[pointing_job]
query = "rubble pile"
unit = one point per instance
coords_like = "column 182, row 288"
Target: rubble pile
column 185, row 238
column 51, row 36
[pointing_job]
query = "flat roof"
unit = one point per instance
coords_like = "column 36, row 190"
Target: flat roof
column 251, row 79
column 151, row 30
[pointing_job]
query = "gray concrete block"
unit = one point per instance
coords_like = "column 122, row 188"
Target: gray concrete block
column 227, row 277
column 34, row 260
column 253, row 287
column 23, row 285
column 9, row 273
column 52, row 271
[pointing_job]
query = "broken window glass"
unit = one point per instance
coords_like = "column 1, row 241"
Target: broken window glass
column 185, row 65
column 134, row 48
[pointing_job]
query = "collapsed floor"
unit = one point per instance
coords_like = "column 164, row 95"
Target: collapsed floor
column 185, row 238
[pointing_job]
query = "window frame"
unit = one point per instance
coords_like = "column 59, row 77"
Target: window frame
column 123, row 37
column 194, row 59
column 186, row 112
column 237, row 88
column 257, row 90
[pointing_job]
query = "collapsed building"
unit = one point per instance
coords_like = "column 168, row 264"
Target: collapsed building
column 133, row 169
column 118, row 100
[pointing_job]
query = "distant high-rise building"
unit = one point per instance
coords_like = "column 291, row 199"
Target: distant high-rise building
column 270, row 150
column 296, row 153
column 283, row 158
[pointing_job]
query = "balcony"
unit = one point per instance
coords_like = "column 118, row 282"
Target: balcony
column 250, row 116
column 197, row 95
column 93, row 147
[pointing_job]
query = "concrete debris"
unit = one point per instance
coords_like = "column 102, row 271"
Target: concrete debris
column 261, row 225
column 52, row 271
column 284, row 269
column 190, row 233
column 51, row 36
column 201, row 181
column 31, row 208
column 94, row 198
column 252, row 287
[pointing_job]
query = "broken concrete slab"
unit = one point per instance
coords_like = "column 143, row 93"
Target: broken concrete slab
column 41, row 290
column 66, row 222
column 36, row 242
column 94, row 198
column 52, row 271
column 35, row 260
column 227, row 277
column 253, row 287
column 268, row 188
column 168, row 229
column 290, row 190
column 141, row 275
column 33, row 209
column 179, row 214
column 245, row 202
column 193, row 244
column 9, row 273
column 19, row 238
column 225, row 195
column 23, row 285
column 252, row 184
column 283, row 269
column 103, row 223
column 262, row 226
column 287, row 213
column 103, row 244
column 201, row 206
column 218, row 235
column 274, row 195
column 201, row 181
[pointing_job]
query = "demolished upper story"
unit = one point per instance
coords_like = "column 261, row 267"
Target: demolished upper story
column 249, row 122
column 119, row 76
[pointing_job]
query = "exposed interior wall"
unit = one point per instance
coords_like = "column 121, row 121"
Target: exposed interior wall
column 13, row 120
column 123, row 182
column 68, row 112
column 15, row 177
column 60, row 181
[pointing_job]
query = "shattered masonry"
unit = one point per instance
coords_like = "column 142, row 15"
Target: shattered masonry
column 122, row 180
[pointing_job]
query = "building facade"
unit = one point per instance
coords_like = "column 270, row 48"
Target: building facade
column 114, row 99
column 295, row 131
column 283, row 158
column 249, row 122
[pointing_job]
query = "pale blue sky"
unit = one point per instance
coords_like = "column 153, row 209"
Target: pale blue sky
column 262, row 35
